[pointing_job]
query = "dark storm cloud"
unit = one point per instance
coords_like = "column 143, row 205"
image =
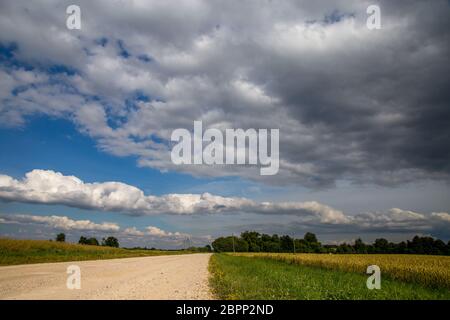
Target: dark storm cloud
column 379, row 110
column 393, row 224
column 350, row 103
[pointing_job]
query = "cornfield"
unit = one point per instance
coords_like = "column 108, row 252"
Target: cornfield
column 429, row 271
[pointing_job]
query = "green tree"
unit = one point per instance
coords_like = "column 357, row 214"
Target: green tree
column 286, row 244
column 402, row 247
column 270, row 243
column 302, row 246
column 360, row 246
column 110, row 242
column 344, row 248
column 82, row 240
column 61, row 237
column 312, row 244
column 381, row 245
column 439, row 247
column 310, row 237
column 225, row 244
column 253, row 239
column 88, row 241
column 94, row 242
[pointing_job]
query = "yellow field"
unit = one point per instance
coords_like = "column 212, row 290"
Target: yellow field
column 430, row 271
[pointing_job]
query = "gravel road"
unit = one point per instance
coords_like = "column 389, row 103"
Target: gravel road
column 160, row 277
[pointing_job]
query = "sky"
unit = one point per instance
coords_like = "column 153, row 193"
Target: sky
column 86, row 118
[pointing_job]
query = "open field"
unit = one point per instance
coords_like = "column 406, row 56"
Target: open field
column 250, row 277
column 161, row 277
column 428, row 271
column 232, row 276
column 13, row 252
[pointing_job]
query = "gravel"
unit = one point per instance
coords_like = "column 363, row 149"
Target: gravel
column 161, row 277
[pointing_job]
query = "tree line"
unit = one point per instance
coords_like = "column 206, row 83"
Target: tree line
column 252, row 241
column 108, row 242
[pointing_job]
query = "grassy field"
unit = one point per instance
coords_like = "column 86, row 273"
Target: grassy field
column 241, row 277
column 429, row 271
column 14, row 252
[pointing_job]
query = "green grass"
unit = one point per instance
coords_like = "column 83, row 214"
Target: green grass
column 237, row 277
column 424, row 270
column 13, row 252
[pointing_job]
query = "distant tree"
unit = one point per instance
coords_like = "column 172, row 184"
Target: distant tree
column 302, row 246
column 422, row 245
column 61, row 237
column 266, row 238
column 270, row 243
column 330, row 248
column 286, row 244
column 402, row 247
column 275, row 244
column 360, row 246
column 271, row 246
column 310, row 237
column 110, row 242
column 222, row 244
column 439, row 247
column 225, row 244
column 88, row 241
column 206, row 248
column 82, row 240
column 253, row 239
column 344, row 248
column 94, row 242
column 311, row 243
column 240, row 244
column 381, row 245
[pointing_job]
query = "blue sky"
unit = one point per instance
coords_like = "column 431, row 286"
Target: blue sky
column 56, row 144
column 86, row 118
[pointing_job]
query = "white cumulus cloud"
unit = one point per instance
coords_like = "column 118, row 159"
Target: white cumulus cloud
column 61, row 222
column 49, row 187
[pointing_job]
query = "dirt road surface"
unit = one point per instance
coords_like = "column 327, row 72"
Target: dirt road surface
column 160, row 277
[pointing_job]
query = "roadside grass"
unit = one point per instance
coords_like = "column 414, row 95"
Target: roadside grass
column 425, row 270
column 239, row 277
column 13, row 252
